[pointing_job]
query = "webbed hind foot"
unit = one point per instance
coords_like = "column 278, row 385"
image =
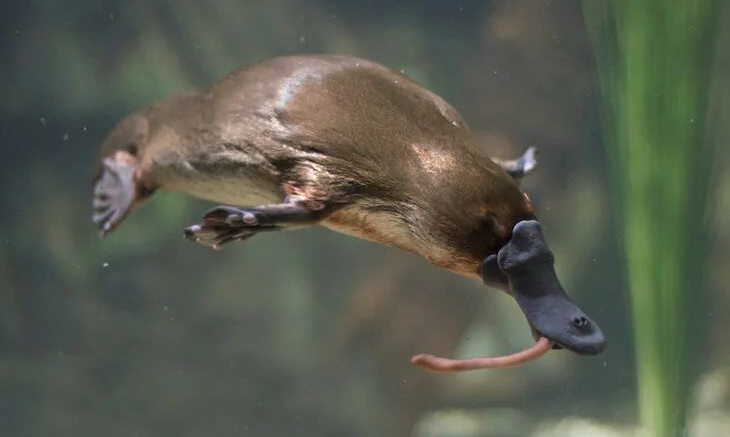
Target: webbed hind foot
column 224, row 224
column 116, row 191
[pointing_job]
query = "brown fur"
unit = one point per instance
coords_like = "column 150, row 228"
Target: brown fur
column 379, row 156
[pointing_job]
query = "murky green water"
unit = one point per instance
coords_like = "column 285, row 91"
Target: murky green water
column 310, row 333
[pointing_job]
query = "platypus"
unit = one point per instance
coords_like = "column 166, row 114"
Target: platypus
column 355, row 147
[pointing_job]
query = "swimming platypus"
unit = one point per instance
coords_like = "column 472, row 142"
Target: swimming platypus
column 350, row 145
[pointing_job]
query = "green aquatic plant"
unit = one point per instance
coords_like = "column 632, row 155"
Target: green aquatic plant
column 654, row 60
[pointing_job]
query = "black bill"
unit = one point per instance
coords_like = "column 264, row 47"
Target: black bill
column 525, row 266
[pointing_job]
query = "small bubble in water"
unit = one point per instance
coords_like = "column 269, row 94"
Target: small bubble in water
column 164, row 308
column 302, row 39
column 65, row 137
column 105, row 265
column 43, row 121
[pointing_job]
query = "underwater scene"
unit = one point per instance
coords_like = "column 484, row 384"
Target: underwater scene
column 478, row 218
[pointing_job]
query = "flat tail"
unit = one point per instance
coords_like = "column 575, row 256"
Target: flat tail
column 115, row 191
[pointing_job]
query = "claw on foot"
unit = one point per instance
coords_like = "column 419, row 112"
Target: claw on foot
column 115, row 191
column 224, row 224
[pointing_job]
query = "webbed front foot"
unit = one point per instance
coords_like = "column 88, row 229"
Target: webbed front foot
column 518, row 168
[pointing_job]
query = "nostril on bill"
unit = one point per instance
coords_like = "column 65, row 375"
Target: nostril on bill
column 580, row 322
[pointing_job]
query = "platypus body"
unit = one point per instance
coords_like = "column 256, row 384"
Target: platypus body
column 335, row 141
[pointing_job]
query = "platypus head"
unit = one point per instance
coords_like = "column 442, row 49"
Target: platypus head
column 525, row 266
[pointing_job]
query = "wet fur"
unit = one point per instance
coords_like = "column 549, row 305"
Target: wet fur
column 379, row 156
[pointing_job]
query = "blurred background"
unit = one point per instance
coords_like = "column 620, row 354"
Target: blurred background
column 309, row 333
